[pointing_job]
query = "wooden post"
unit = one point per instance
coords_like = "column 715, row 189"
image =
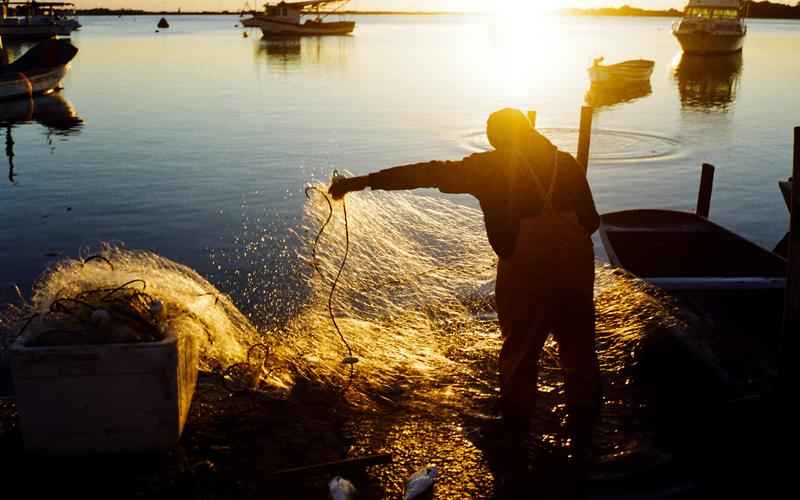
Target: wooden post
column 3, row 55
column 532, row 118
column 791, row 318
column 706, row 188
column 585, row 136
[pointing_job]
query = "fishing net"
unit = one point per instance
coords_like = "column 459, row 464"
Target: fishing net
column 413, row 305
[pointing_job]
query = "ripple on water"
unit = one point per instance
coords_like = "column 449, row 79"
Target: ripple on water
column 608, row 146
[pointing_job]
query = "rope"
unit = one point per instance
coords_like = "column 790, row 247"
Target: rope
column 350, row 359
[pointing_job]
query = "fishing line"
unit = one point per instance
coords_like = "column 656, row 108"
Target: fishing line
column 350, row 359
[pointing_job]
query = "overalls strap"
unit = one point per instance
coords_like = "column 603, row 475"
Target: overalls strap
column 546, row 194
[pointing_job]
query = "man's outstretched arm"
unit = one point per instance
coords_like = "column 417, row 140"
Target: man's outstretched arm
column 447, row 176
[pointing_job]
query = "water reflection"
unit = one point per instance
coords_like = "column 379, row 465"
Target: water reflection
column 52, row 111
column 284, row 50
column 708, row 83
column 600, row 95
column 290, row 52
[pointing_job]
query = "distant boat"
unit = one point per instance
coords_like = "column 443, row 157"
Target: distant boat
column 285, row 18
column 38, row 71
column 624, row 73
column 711, row 27
column 31, row 20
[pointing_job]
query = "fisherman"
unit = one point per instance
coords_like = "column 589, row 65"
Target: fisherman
column 539, row 215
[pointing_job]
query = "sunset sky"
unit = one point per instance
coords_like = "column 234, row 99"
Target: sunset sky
column 449, row 5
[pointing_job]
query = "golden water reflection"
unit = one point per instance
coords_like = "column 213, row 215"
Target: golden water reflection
column 293, row 52
column 600, row 96
column 708, row 83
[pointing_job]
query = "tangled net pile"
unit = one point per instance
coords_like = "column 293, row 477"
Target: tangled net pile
column 126, row 284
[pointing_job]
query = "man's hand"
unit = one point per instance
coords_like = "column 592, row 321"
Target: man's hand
column 342, row 186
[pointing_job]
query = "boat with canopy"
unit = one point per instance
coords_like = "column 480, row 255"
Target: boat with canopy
column 31, row 19
column 712, row 27
column 286, row 18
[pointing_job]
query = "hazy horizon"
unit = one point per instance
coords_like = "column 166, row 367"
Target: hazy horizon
column 399, row 5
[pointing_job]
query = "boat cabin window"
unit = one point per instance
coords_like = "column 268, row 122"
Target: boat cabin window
column 278, row 10
column 707, row 13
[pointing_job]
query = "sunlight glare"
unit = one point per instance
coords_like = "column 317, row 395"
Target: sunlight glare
column 523, row 8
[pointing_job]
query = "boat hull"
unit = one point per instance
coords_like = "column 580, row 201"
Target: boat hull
column 25, row 85
column 251, row 22
column 309, row 28
column 35, row 31
column 622, row 74
column 706, row 43
column 680, row 251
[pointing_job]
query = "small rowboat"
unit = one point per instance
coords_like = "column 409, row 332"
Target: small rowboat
column 624, row 73
column 38, row 71
column 684, row 252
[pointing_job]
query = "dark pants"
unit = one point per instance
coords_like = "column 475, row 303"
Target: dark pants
column 547, row 287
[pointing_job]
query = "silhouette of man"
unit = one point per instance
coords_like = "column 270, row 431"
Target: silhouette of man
column 539, row 215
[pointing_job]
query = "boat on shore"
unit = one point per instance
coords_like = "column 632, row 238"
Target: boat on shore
column 285, row 18
column 712, row 27
column 31, row 20
column 38, row 71
column 626, row 73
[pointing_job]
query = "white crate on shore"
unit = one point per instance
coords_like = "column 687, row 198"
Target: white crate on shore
column 104, row 398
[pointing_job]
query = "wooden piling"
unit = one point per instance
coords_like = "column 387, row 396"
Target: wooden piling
column 3, row 54
column 706, row 188
column 791, row 319
column 532, row 118
column 585, row 136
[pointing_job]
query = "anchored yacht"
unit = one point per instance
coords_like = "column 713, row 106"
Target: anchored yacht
column 712, row 27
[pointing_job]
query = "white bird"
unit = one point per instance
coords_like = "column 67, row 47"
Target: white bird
column 420, row 482
column 341, row 489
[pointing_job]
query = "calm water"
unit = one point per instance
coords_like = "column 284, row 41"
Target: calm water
column 196, row 142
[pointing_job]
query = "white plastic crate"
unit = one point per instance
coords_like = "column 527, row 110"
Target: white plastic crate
column 104, row 398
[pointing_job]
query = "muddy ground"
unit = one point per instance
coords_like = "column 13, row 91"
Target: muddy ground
column 234, row 444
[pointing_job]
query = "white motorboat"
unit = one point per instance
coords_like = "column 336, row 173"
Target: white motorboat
column 285, row 18
column 621, row 74
column 712, row 27
column 38, row 71
column 31, row 19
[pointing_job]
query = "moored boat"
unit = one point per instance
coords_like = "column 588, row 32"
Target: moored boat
column 38, row 71
column 712, row 27
column 32, row 20
column 624, row 73
column 285, row 18
column 681, row 251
